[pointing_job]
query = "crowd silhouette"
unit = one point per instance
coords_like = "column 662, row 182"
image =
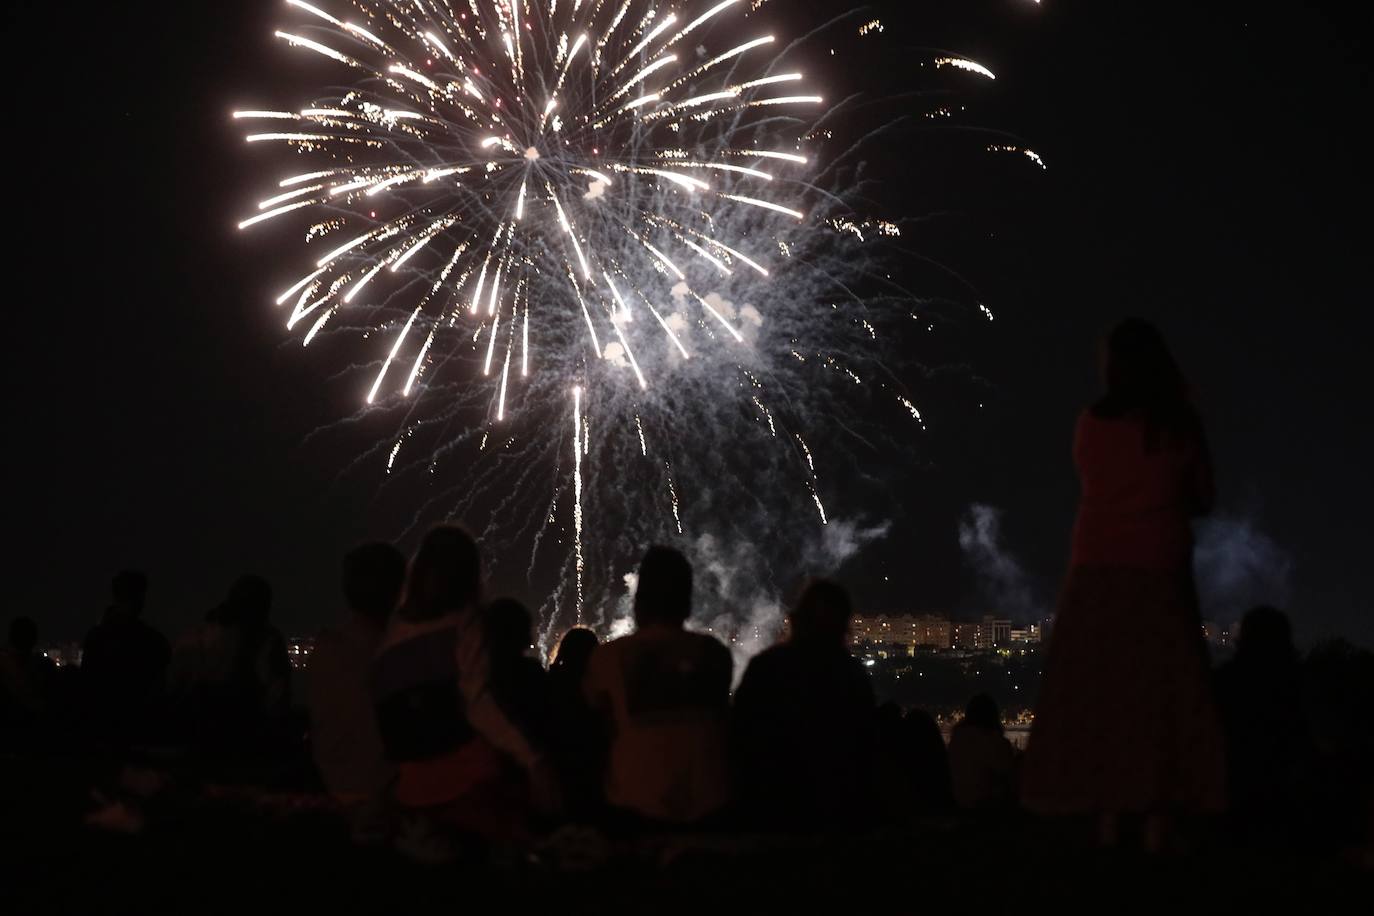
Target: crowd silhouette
column 428, row 714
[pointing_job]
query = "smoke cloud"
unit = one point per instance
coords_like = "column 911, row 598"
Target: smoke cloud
column 595, row 189
column 615, row 354
column 1002, row 582
column 1237, row 567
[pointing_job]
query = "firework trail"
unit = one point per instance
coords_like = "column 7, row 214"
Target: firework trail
column 601, row 224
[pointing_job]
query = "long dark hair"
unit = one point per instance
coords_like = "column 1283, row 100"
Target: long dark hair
column 1141, row 377
column 573, row 654
column 445, row 576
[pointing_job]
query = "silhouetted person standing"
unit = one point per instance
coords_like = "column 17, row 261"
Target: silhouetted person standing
column 124, row 664
column 1269, row 749
column 453, row 743
column 520, row 682
column 576, row 733
column 28, row 685
column 804, row 733
column 665, row 695
column 982, row 762
column 1125, row 723
column 928, row 762
column 344, row 736
column 200, row 676
column 260, row 677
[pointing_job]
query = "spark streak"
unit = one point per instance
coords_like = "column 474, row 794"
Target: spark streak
column 577, row 493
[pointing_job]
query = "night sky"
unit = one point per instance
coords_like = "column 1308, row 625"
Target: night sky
column 1204, row 172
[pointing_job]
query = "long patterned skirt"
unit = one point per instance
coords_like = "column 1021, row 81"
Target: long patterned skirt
column 1125, row 721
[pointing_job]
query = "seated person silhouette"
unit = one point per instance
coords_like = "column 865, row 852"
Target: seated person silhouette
column 664, row 693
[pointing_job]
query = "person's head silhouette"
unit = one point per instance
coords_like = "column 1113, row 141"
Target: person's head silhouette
column 445, row 576
column 821, row 615
column 250, row 602
column 982, row 712
column 23, row 635
column 923, row 728
column 663, row 595
column 128, row 592
column 509, row 628
column 574, row 652
column 1141, row 377
column 1266, row 638
column 1137, row 367
column 372, row 579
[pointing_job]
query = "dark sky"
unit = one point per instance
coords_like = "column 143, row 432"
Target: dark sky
column 1204, row 171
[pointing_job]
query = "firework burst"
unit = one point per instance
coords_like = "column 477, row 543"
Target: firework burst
column 611, row 273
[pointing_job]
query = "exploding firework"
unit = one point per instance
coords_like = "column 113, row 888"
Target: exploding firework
column 617, row 282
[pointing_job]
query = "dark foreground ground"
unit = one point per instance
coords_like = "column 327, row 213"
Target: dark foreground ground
column 203, row 850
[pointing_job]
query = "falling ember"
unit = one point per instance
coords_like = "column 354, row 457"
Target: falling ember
column 911, row 408
column 963, row 63
column 816, row 498
column 505, row 374
column 810, row 462
column 525, row 345
column 1030, row 154
column 772, row 430
column 672, row 495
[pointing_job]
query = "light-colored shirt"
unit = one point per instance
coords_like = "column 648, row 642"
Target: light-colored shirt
column 666, row 695
column 439, row 717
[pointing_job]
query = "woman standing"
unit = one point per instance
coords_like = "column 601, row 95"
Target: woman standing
column 1125, row 724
